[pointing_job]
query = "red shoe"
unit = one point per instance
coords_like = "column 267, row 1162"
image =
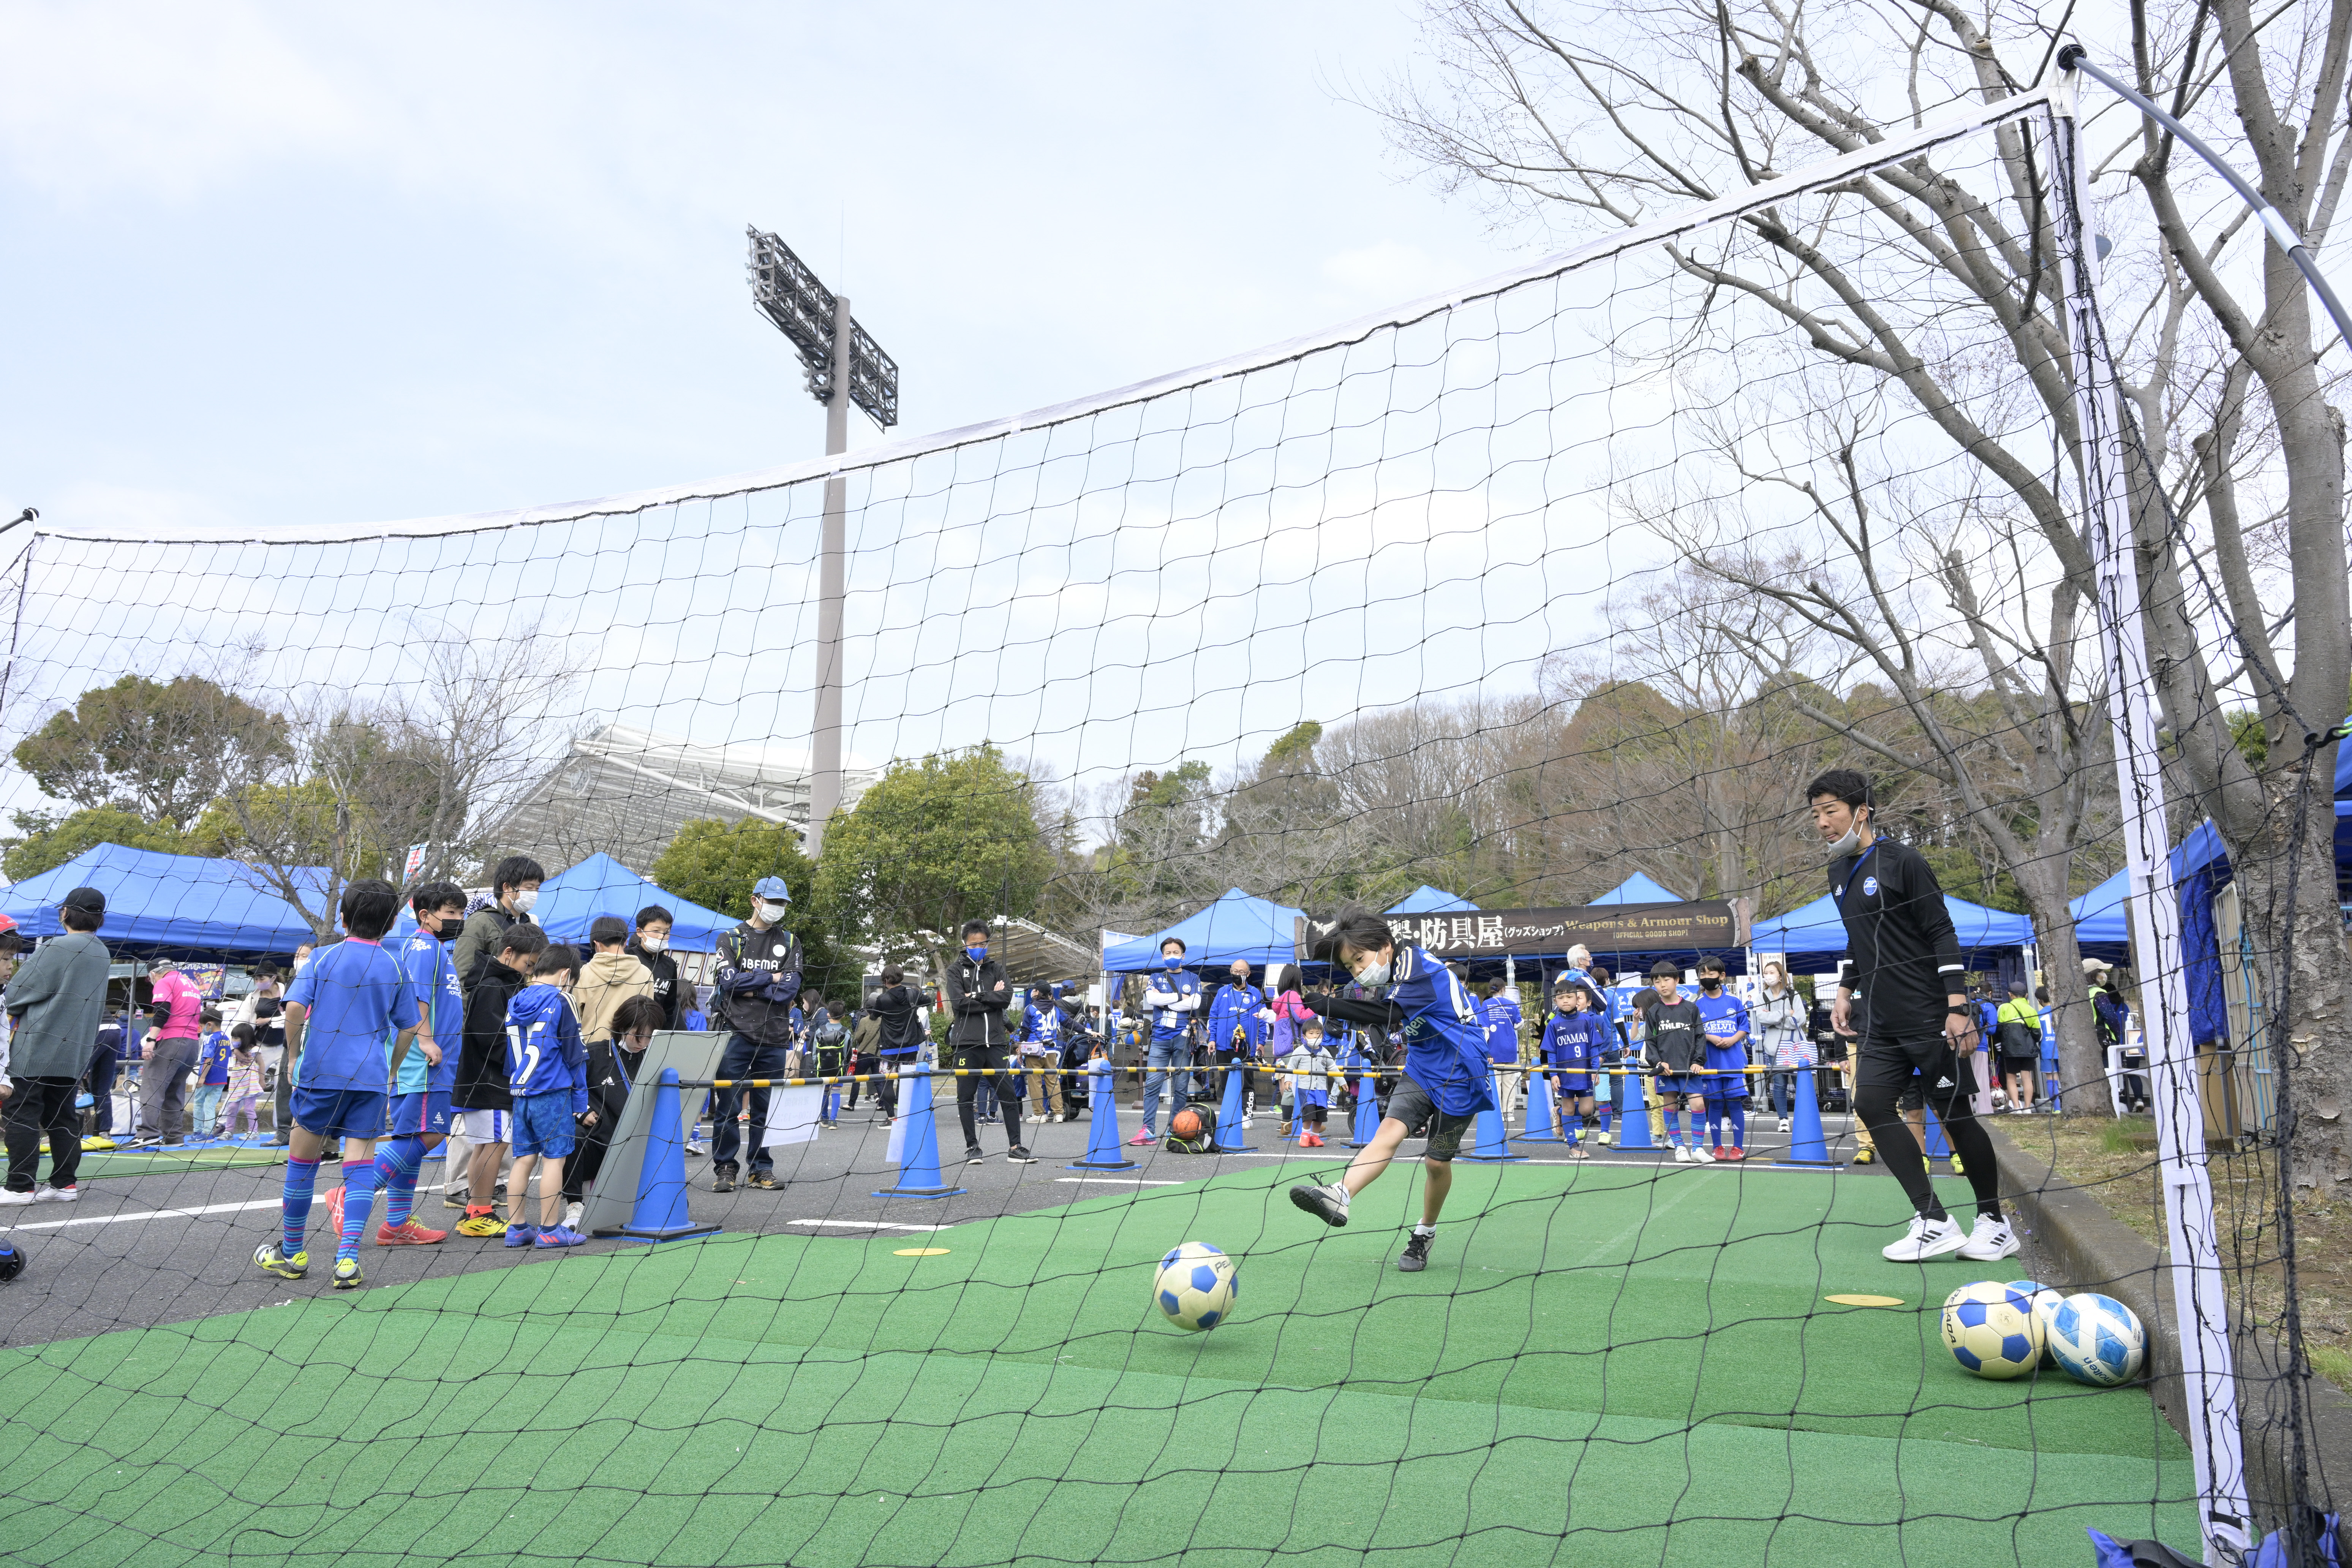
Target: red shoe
column 1308, row 1141
column 1732, row 1154
column 335, row 1210
column 409, row 1235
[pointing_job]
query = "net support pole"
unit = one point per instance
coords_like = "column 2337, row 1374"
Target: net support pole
column 2201, row 1310
column 825, row 736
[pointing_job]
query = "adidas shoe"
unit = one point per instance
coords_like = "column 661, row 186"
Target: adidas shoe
column 549, row 1240
column 1926, row 1239
column 482, row 1225
column 1991, row 1240
column 1703, row 1156
column 1327, row 1203
column 12, row 1196
column 347, row 1274
column 271, row 1258
column 521, row 1234
column 1683, row 1154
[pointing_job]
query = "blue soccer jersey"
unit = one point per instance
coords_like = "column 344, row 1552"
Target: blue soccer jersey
column 1503, row 1017
column 1444, row 1040
column 1723, row 1019
column 432, row 974
column 1572, row 1041
column 544, row 1051
column 358, row 1000
column 1170, row 1021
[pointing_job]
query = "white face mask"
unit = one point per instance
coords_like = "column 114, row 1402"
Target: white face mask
column 523, row 900
column 653, row 944
column 770, row 913
column 1372, row 975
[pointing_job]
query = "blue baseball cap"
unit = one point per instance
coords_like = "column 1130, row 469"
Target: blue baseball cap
column 772, row 888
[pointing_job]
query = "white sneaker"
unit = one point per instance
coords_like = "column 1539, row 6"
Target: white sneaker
column 1247, row 1123
column 571, row 1213
column 1993, row 1239
column 1036, row 1117
column 1683, row 1154
column 10, row 1197
column 46, row 1194
column 695, row 1146
column 1784, row 1124
column 1702, row 1157
column 1926, row 1239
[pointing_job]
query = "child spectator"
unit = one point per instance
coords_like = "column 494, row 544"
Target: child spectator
column 1501, row 1014
column 1040, row 1033
column 1311, row 1070
column 484, row 1104
column 211, row 1077
column 244, row 1095
column 612, row 1072
column 830, row 1043
column 1674, row 1043
column 613, row 976
column 1723, row 1018
column 1572, row 1039
column 546, row 1073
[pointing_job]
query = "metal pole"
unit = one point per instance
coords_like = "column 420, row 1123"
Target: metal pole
column 824, row 760
column 2200, row 1310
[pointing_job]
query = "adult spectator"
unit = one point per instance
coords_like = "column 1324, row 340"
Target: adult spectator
column 514, row 889
column 1238, row 1017
column 2112, row 1015
column 263, row 1008
column 1045, row 1021
column 174, row 1005
column 979, row 1042
column 2017, row 1032
column 758, row 972
column 1782, row 1037
column 896, row 1008
column 55, row 1001
column 1173, row 996
column 1499, row 1012
column 649, row 945
column 105, row 1064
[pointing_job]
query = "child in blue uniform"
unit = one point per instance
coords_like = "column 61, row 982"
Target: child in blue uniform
column 547, row 1068
column 212, row 1078
column 1723, row 1019
column 1572, row 1039
column 1445, row 1084
column 346, row 1003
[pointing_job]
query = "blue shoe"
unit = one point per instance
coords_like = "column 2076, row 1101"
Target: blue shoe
column 521, row 1234
column 559, row 1236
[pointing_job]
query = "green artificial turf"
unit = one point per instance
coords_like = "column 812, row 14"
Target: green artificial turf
column 1601, row 1365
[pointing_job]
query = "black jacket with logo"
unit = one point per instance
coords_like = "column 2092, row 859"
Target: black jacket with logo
column 749, row 961
column 978, row 995
column 666, row 989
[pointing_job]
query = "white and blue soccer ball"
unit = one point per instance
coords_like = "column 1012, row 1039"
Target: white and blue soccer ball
column 1195, row 1286
column 2097, row 1340
column 2046, row 1302
column 1990, row 1329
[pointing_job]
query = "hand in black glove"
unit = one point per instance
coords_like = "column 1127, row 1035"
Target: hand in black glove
column 1319, row 1003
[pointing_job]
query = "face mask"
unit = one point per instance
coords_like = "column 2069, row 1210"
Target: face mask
column 1711, row 984
column 654, row 943
column 772, row 914
column 975, row 954
column 449, row 930
column 1372, row 975
column 1851, row 842
column 523, row 900
column 1172, row 959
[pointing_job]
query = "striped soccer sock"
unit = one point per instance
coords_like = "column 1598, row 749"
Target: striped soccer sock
column 396, row 1165
column 302, row 1180
column 358, row 1202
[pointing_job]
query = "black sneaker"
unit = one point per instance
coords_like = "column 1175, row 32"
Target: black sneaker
column 974, row 1155
column 1019, row 1156
column 1416, row 1252
column 722, row 1180
column 765, row 1180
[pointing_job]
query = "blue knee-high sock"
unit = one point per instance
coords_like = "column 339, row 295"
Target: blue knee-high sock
column 1714, row 1115
column 1674, row 1127
column 396, row 1165
column 302, row 1180
column 1602, row 1113
column 359, row 1204
column 1738, row 1114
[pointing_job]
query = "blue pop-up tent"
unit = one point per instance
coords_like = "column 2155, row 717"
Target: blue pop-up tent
column 171, row 905
column 1639, row 888
column 1812, row 938
column 1428, row 901
column 1235, row 926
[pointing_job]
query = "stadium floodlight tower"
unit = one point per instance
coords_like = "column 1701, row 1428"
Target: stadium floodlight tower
column 844, row 365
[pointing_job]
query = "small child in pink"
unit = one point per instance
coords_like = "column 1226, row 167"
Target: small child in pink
column 244, row 1096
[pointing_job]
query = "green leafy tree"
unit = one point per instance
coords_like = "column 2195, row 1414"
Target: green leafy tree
column 163, row 750
column 931, row 845
column 715, row 864
column 49, row 841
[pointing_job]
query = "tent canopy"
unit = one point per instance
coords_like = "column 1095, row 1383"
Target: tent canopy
column 1235, row 926
column 1812, row 938
column 1428, row 901
column 1638, row 888
column 169, row 906
column 2099, row 928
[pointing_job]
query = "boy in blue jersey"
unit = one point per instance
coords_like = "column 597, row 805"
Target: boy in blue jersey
column 1572, row 1039
column 1444, row 1085
column 346, row 1003
column 547, row 1068
column 1723, row 1019
column 421, row 1115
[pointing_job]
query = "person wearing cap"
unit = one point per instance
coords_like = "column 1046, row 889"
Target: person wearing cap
column 55, row 1002
column 757, row 970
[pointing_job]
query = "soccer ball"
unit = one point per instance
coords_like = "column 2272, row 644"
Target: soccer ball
column 1195, row 1286
column 2097, row 1340
column 2046, row 1302
column 1989, row 1328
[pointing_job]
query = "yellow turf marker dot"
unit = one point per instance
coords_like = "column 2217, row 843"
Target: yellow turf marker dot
column 1866, row 1300
column 920, row 1252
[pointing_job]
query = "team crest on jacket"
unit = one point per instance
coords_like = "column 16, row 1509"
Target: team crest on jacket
column 1869, row 888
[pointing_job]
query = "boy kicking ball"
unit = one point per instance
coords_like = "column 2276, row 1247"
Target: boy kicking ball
column 1444, row 1083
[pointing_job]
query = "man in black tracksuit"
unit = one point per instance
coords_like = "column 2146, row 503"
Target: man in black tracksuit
column 978, row 994
column 758, row 969
column 1920, row 1027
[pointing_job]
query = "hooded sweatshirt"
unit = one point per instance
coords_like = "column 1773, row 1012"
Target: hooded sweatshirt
column 605, row 982
column 544, row 1051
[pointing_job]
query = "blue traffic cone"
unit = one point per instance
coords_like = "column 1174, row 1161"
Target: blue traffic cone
column 1938, row 1146
column 1632, row 1112
column 1368, row 1111
column 1543, row 1111
column 1491, row 1143
column 1806, row 1144
column 1228, row 1140
column 660, row 1212
column 918, row 1150
column 1103, row 1149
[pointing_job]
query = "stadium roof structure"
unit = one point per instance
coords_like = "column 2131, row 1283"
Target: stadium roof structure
column 625, row 792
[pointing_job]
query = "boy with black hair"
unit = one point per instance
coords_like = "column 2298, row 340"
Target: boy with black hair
column 1920, row 1027
column 1572, row 1040
column 649, row 945
column 1445, row 1080
column 1313, row 1072
column 420, row 1115
column 978, row 995
column 547, row 1072
column 347, row 1002
column 1674, row 1041
column 514, row 889
column 1723, row 1019
column 479, row 1094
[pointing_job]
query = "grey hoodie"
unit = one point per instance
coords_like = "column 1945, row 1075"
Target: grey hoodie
column 57, row 999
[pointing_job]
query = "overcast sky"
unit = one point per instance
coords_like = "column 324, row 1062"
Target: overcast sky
column 288, row 265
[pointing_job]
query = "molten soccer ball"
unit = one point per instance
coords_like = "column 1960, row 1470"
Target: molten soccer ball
column 1989, row 1328
column 2097, row 1340
column 1196, row 1285
column 1185, row 1125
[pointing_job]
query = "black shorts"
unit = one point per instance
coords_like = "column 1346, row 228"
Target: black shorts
column 1916, row 1072
column 2020, row 1064
column 1410, row 1104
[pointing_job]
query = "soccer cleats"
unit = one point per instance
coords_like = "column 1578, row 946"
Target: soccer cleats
column 1416, row 1251
column 549, row 1240
column 270, row 1259
column 486, row 1223
column 1327, row 1203
column 347, row 1274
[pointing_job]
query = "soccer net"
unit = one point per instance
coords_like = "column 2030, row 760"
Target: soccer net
column 1524, row 619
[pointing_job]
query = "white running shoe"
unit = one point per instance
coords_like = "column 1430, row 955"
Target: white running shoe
column 1702, row 1157
column 695, row 1146
column 1327, row 1203
column 1248, row 1122
column 571, row 1213
column 1926, row 1239
column 11, row 1196
column 46, row 1194
column 1993, row 1239
column 1683, row 1154
column 1784, row 1124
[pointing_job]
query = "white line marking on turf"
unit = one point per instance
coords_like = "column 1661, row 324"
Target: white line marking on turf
column 150, row 1213
column 1124, row 1181
column 867, row 1224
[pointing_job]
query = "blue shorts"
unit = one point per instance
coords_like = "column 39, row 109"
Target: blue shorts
column 421, row 1115
column 543, row 1125
column 339, row 1112
column 1683, row 1083
column 1572, row 1082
